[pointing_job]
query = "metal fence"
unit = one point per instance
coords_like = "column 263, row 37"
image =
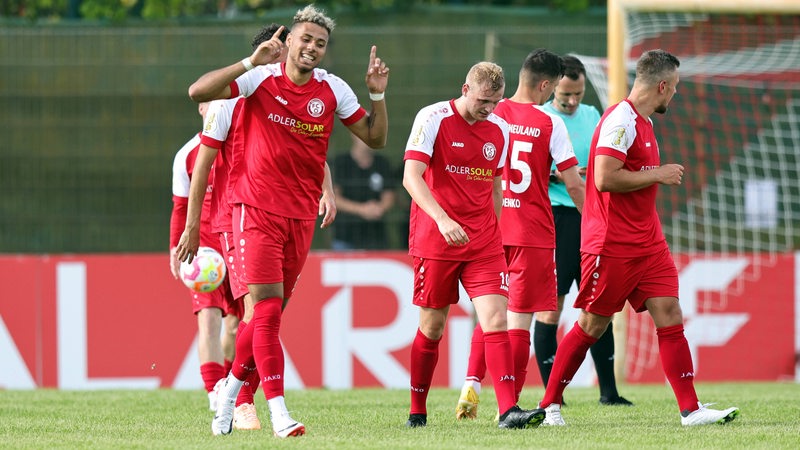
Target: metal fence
column 95, row 114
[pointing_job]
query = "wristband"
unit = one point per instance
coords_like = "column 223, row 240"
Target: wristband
column 376, row 97
column 248, row 64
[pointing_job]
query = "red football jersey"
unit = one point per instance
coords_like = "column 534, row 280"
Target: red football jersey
column 463, row 161
column 284, row 130
column 623, row 224
column 537, row 139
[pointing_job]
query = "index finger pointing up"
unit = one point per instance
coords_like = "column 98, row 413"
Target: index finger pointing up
column 277, row 34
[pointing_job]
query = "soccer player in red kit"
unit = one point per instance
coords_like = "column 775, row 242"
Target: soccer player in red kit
column 453, row 163
column 581, row 120
column 624, row 254
column 209, row 307
column 217, row 139
column 537, row 139
column 217, row 145
column 285, row 125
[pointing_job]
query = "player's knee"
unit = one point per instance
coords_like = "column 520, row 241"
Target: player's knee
column 432, row 325
column 548, row 317
column 592, row 324
column 665, row 311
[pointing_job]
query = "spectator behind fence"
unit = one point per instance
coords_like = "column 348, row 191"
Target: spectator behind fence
column 364, row 186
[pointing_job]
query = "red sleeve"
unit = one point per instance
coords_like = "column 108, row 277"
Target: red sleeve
column 234, row 89
column 567, row 163
column 177, row 222
column 355, row 117
column 608, row 151
column 417, row 156
column 208, row 141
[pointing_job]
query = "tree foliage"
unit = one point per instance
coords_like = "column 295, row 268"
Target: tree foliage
column 119, row 10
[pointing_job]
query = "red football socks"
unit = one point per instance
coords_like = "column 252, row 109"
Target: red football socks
column 569, row 357
column 424, row 356
column 520, row 353
column 476, row 367
column 501, row 368
column 243, row 362
column 211, row 372
column 676, row 359
column 267, row 348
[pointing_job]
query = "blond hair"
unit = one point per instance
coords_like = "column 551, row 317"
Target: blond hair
column 486, row 73
column 316, row 16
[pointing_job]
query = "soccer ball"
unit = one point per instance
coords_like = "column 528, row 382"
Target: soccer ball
column 206, row 271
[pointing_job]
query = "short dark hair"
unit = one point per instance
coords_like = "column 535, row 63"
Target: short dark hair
column 573, row 68
column 266, row 34
column 654, row 64
column 542, row 64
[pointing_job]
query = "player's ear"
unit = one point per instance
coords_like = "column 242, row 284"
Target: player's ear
column 543, row 85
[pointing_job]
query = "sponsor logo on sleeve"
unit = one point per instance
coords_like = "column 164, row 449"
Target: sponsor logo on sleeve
column 619, row 138
column 419, row 137
column 211, row 123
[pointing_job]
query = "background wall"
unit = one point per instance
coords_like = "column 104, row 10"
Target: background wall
column 94, row 114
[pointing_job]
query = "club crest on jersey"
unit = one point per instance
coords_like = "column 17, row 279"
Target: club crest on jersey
column 489, row 151
column 315, row 107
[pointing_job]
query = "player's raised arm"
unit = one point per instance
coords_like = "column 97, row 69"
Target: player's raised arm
column 215, row 85
column 373, row 129
column 268, row 51
column 377, row 73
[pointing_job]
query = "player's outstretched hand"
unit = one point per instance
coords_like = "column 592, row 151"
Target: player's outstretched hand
column 187, row 246
column 377, row 73
column 268, row 51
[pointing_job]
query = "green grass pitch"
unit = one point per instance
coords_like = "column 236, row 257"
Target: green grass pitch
column 374, row 419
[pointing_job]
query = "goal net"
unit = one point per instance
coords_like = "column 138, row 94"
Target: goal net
column 735, row 126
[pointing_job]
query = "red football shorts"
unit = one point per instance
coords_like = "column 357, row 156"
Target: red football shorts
column 272, row 248
column 238, row 287
column 436, row 281
column 606, row 282
column 531, row 279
